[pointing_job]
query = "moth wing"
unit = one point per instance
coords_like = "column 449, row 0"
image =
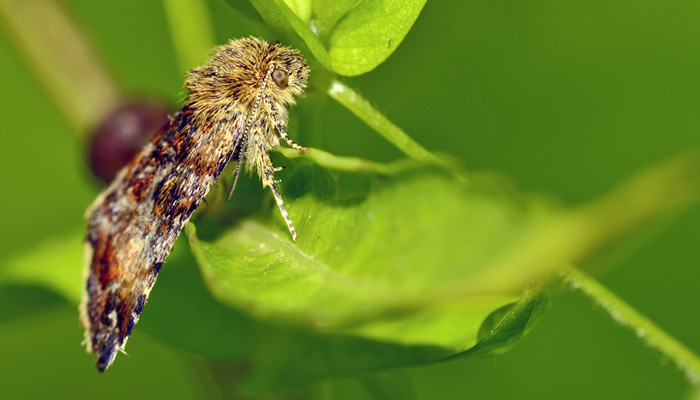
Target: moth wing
column 134, row 223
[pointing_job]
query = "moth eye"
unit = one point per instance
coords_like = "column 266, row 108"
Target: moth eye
column 281, row 78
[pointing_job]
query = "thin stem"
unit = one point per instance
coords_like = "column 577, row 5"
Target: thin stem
column 191, row 31
column 61, row 57
column 645, row 329
column 333, row 161
column 364, row 110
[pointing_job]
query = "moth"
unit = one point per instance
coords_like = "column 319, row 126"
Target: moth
column 236, row 110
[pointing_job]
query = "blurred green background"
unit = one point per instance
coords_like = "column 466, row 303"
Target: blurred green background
column 566, row 98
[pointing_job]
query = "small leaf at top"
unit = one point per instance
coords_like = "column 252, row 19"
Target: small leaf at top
column 369, row 33
column 347, row 37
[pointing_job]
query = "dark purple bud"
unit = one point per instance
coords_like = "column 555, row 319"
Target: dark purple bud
column 122, row 134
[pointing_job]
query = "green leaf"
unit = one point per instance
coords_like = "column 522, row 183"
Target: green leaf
column 56, row 264
column 278, row 15
column 368, row 245
column 348, row 37
column 302, row 8
column 505, row 326
column 411, row 265
column 328, row 12
column 369, row 33
column 337, row 354
column 380, row 259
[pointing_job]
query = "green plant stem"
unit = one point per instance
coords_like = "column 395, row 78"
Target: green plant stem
column 645, row 329
column 62, row 59
column 332, row 161
column 191, row 31
column 364, row 110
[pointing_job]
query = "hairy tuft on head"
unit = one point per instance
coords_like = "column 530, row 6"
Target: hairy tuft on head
column 234, row 75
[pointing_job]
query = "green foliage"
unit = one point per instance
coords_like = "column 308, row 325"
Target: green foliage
column 374, row 259
column 397, row 264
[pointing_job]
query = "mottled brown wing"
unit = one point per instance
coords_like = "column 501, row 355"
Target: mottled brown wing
column 133, row 224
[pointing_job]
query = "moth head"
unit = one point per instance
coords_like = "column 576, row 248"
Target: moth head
column 289, row 72
column 245, row 69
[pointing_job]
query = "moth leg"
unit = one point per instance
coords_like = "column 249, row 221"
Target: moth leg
column 259, row 157
column 283, row 209
column 291, row 143
column 279, row 121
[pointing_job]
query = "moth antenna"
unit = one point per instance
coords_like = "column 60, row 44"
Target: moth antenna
column 256, row 106
column 249, row 122
column 239, row 161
